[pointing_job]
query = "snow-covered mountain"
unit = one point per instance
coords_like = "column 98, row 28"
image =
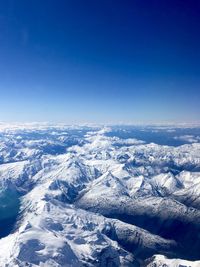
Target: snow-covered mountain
column 83, row 196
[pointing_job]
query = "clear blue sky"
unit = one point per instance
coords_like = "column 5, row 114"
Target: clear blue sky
column 100, row 60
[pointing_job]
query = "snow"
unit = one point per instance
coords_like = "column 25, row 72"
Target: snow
column 160, row 261
column 79, row 206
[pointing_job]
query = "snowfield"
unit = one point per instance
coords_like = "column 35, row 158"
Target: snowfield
column 79, row 196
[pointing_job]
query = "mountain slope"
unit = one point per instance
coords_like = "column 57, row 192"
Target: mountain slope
column 78, row 197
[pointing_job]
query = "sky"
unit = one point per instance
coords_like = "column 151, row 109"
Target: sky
column 100, row 61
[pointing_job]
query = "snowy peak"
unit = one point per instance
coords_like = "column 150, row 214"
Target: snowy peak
column 87, row 197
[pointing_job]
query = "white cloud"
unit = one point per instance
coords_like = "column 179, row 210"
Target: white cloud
column 188, row 138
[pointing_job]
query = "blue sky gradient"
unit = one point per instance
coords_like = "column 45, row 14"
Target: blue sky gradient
column 100, row 61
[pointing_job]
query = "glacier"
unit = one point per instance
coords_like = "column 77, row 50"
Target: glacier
column 93, row 195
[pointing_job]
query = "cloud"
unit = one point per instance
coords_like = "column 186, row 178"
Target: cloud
column 188, row 138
